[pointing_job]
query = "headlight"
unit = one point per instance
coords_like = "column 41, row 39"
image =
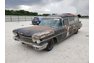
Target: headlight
column 15, row 33
column 36, row 39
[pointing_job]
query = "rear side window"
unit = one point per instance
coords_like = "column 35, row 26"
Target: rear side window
column 71, row 20
column 65, row 21
column 76, row 19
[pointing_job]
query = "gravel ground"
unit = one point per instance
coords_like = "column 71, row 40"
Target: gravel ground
column 72, row 50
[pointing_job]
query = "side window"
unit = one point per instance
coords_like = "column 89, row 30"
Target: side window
column 71, row 20
column 76, row 19
column 65, row 21
column 62, row 21
column 58, row 23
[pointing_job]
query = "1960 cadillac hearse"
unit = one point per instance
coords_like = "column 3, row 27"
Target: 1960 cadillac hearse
column 51, row 30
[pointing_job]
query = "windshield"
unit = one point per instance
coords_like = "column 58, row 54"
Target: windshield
column 51, row 22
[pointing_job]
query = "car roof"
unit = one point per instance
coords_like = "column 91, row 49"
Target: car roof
column 67, row 15
column 58, row 16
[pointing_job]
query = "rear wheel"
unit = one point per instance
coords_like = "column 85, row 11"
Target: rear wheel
column 50, row 45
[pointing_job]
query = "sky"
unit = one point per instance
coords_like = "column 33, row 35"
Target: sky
column 50, row 6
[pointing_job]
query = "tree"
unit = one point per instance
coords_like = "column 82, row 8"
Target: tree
column 22, row 12
column 79, row 15
column 46, row 14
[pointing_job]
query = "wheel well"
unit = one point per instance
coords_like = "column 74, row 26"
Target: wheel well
column 55, row 39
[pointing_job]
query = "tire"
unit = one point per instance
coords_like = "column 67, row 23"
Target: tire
column 76, row 32
column 50, row 45
column 23, row 43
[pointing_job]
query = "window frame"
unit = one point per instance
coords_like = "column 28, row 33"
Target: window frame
column 65, row 19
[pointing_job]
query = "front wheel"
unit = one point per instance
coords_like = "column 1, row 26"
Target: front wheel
column 23, row 43
column 50, row 45
column 76, row 31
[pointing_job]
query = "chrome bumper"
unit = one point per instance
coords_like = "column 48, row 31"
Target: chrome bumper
column 35, row 46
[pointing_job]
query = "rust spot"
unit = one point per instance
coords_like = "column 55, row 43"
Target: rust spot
column 41, row 27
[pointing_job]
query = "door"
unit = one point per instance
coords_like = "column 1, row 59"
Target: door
column 72, row 25
column 61, row 31
column 66, row 26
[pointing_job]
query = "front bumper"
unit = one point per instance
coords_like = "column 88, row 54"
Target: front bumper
column 35, row 46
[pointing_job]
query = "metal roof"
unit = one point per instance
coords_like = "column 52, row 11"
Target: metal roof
column 67, row 14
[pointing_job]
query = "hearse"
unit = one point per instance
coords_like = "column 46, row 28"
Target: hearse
column 51, row 30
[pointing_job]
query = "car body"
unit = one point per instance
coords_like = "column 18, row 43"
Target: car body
column 51, row 30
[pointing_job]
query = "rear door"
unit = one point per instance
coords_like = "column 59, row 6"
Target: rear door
column 71, row 24
column 66, row 26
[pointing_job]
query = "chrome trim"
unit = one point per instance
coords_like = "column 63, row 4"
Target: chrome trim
column 35, row 46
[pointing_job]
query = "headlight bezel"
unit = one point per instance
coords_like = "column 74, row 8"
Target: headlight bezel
column 36, row 39
column 15, row 33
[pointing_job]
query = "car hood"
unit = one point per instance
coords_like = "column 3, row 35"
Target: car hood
column 29, row 31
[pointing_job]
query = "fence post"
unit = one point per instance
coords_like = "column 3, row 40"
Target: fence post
column 25, row 18
column 11, row 18
column 18, row 18
column 31, row 19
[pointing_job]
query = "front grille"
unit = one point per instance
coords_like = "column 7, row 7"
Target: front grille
column 25, row 38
